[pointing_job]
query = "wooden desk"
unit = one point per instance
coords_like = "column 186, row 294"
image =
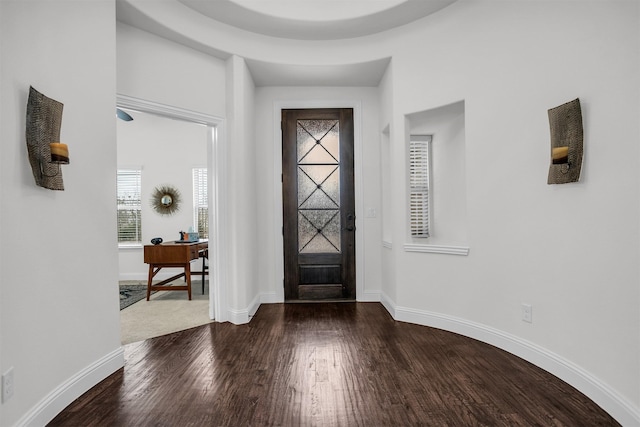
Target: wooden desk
column 172, row 255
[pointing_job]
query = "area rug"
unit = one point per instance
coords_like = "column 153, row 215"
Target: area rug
column 131, row 294
column 167, row 312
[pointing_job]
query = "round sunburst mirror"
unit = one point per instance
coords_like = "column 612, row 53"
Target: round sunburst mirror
column 165, row 200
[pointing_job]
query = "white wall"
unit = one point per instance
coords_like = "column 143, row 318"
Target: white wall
column 155, row 69
column 387, row 177
column 242, row 206
column 167, row 150
column 58, row 276
column 569, row 250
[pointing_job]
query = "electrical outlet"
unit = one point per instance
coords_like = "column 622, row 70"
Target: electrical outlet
column 7, row 385
column 527, row 313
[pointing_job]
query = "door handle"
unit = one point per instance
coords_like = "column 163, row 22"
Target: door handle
column 351, row 217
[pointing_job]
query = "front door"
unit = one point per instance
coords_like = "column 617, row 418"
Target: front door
column 319, row 207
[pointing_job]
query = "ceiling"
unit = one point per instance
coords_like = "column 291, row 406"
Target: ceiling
column 312, row 20
column 316, row 19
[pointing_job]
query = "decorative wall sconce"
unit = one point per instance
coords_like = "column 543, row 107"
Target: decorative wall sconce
column 565, row 123
column 46, row 153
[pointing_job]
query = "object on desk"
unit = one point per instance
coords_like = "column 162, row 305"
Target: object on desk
column 156, row 240
column 189, row 237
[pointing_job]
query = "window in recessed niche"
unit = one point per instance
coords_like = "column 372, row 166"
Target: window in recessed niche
column 439, row 152
column 419, row 185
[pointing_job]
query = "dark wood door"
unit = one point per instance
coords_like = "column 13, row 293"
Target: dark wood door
column 318, row 204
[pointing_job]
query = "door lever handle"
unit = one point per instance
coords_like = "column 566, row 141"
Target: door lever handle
column 350, row 228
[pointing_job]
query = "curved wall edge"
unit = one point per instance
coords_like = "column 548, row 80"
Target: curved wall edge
column 603, row 395
column 174, row 21
column 70, row 390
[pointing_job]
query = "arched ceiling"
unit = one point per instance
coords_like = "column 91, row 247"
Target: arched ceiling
column 316, row 19
column 197, row 24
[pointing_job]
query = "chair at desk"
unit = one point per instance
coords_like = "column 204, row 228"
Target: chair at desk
column 205, row 268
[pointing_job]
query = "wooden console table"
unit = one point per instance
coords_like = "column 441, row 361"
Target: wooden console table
column 172, row 255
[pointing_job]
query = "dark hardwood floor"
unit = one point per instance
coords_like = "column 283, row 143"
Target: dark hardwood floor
column 334, row 364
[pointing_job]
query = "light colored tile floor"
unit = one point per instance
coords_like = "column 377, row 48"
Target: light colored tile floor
column 166, row 312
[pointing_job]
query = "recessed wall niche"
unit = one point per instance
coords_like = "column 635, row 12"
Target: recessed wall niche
column 386, row 173
column 448, row 192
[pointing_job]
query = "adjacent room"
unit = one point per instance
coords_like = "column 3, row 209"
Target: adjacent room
column 158, row 155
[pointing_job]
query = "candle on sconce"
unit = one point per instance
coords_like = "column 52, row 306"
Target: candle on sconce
column 59, row 153
column 560, row 155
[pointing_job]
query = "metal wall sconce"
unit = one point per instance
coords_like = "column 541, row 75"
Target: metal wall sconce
column 46, row 152
column 565, row 123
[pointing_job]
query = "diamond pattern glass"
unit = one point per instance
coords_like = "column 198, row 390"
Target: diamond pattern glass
column 318, row 160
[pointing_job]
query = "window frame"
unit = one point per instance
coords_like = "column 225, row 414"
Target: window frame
column 200, row 200
column 136, row 205
column 419, row 186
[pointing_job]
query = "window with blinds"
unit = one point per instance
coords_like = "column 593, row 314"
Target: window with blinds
column 201, row 202
column 129, row 207
column 419, row 166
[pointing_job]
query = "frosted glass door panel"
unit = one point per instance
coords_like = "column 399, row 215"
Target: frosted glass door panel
column 318, row 154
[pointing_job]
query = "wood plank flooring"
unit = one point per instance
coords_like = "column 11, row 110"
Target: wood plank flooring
column 334, row 364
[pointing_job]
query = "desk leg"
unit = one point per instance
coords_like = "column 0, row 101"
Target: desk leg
column 149, row 281
column 187, row 273
column 202, row 274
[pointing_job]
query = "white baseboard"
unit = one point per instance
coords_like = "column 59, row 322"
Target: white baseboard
column 238, row 317
column 254, row 306
column 368, row 297
column 270, row 298
column 625, row 412
column 70, row 390
column 388, row 304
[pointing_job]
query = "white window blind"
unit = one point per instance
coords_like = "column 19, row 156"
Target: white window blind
column 201, row 202
column 129, row 207
column 419, row 185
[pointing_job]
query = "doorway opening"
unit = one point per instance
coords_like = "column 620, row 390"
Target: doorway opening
column 205, row 156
